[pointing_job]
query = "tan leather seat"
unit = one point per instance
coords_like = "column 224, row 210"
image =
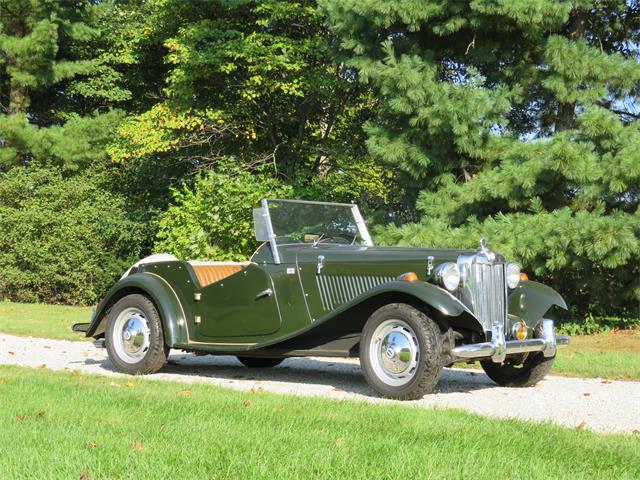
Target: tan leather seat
column 211, row 272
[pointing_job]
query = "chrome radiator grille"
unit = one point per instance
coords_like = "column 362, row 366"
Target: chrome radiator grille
column 487, row 289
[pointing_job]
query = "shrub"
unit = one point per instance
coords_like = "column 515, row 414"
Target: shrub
column 213, row 218
column 592, row 325
column 62, row 240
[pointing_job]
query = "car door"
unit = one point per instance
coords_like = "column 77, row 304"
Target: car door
column 241, row 305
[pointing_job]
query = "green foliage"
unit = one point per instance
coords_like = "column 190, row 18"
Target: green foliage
column 213, row 219
column 592, row 325
column 257, row 81
column 518, row 121
column 62, row 240
column 77, row 144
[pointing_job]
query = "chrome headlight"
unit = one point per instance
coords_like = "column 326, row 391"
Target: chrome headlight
column 448, row 274
column 513, row 275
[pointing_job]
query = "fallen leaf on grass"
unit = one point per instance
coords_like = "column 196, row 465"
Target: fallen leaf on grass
column 581, row 426
column 92, row 445
column 185, row 393
column 84, row 475
column 20, row 418
column 130, row 384
column 138, row 446
column 606, row 381
column 247, row 403
column 162, row 426
column 43, row 365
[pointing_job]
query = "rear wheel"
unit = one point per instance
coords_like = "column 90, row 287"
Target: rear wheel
column 400, row 352
column 260, row 362
column 134, row 337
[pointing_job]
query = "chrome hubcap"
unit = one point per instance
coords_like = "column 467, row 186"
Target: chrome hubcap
column 131, row 336
column 394, row 352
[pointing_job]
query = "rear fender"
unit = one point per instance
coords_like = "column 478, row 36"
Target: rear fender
column 160, row 292
column 531, row 300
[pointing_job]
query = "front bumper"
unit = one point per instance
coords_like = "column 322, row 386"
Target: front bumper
column 498, row 348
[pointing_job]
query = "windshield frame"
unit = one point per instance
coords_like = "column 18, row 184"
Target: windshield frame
column 263, row 226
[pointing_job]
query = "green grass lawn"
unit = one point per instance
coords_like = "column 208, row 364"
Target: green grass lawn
column 59, row 425
column 42, row 320
column 613, row 355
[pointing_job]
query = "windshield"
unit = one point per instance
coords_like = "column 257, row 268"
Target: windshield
column 296, row 221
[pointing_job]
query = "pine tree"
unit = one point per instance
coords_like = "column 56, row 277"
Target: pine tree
column 517, row 121
column 55, row 91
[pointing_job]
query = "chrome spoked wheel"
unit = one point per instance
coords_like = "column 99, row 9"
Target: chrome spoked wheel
column 131, row 335
column 395, row 352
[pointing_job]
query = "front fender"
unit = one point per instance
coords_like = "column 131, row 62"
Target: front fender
column 430, row 294
column 531, row 300
column 160, row 292
column 427, row 293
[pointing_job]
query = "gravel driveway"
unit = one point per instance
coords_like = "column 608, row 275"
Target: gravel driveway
column 595, row 404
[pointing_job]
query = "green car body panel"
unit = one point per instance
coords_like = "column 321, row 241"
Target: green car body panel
column 267, row 304
column 531, row 300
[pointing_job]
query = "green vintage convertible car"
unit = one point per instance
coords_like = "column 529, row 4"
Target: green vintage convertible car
column 317, row 286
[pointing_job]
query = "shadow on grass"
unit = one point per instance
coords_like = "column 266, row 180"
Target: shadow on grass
column 335, row 373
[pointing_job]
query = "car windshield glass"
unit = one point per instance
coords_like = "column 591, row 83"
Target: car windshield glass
column 310, row 222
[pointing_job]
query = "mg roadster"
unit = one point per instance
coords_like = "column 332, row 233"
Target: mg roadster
column 317, row 286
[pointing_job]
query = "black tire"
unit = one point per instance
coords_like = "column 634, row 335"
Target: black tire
column 147, row 360
column 424, row 362
column 260, row 362
column 534, row 368
column 523, row 373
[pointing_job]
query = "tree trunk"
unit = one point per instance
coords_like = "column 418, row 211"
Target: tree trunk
column 566, row 114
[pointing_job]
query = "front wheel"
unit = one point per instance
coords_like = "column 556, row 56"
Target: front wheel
column 525, row 374
column 400, row 352
column 134, row 338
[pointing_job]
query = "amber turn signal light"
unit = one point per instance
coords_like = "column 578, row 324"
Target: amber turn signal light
column 409, row 277
column 520, row 330
column 523, row 277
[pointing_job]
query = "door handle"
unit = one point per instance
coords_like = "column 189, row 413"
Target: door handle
column 265, row 293
column 320, row 265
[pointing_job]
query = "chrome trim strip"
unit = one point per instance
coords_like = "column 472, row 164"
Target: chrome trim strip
column 362, row 227
column 270, row 232
column 310, row 202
